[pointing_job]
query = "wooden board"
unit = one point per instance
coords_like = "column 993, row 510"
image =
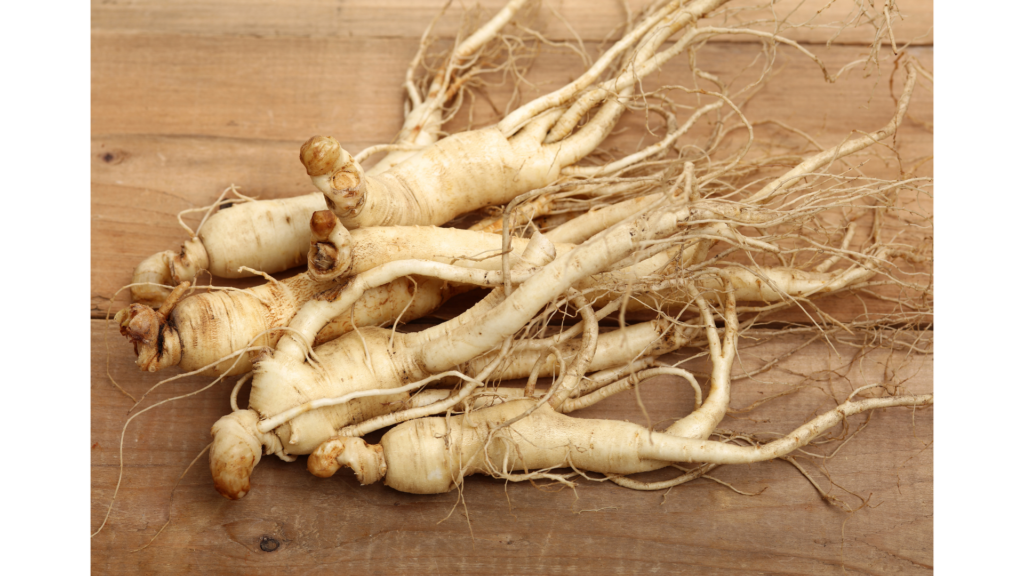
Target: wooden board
column 189, row 97
column 408, row 18
column 172, row 128
column 179, row 112
column 336, row 526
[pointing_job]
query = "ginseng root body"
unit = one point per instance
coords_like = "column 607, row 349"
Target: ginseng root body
column 528, row 149
column 434, row 455
column 203, row 328
column 266, row 235
column 373, row 359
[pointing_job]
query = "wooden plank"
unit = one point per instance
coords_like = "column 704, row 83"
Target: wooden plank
column 176, row 119
column 362, row 18
column 336, row 526
column 189, row 97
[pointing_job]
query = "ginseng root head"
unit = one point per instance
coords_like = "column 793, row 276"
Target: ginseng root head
column 157, row 344
column 322, row 223
column 366, row 460
column 235, row 452
column 185, row 265
column 330, row 247
column 319, row 155
column 335, row 173
column 149, row 275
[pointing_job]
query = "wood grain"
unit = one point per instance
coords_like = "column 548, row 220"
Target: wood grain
column 189, row 97
column 409, row 18
column 177, row 119
column 337, row 526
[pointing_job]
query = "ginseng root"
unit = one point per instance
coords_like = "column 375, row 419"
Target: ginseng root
column 370, row 359
column 271, row 236
column 434, row 455
column 203, row 328
column 526, row 151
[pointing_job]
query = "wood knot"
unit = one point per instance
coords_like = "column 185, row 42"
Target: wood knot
column 113, row 157
column 268, row 544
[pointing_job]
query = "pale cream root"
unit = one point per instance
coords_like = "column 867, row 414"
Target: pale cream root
column 579, row 229
column 238, row 447
column 153, row 279
column 670, row 448
column 670, row 12
column 434, row 455
column 491, row 166
column 425, row 117
column 370, row 359
column 441, row 347
column 640, row 63
column 336, row 252
column 776, row 284
column 616, row 348
column 772, row 284
column 458, row 174
column 701, row 422
column 567, row 227
column 208, row 327
column 268, row 235
column 826, row 157
column 538, row 252
column 314, row 315
column 203, row 328
column 313, row 395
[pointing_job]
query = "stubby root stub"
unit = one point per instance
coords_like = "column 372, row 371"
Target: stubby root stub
column 343, row 180
column 156, row 344
column 139, row 323
column 319, row 154
column 366, row 460
column 322, row 223
column 234, row 453
column 325, row 257
column 323, row 462
column 330, row 247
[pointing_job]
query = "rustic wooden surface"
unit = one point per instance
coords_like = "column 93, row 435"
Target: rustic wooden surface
column 189, row 97
column 337, row 526
column 179, row 114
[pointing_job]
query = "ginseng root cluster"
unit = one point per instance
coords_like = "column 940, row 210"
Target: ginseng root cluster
column 594, row 232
